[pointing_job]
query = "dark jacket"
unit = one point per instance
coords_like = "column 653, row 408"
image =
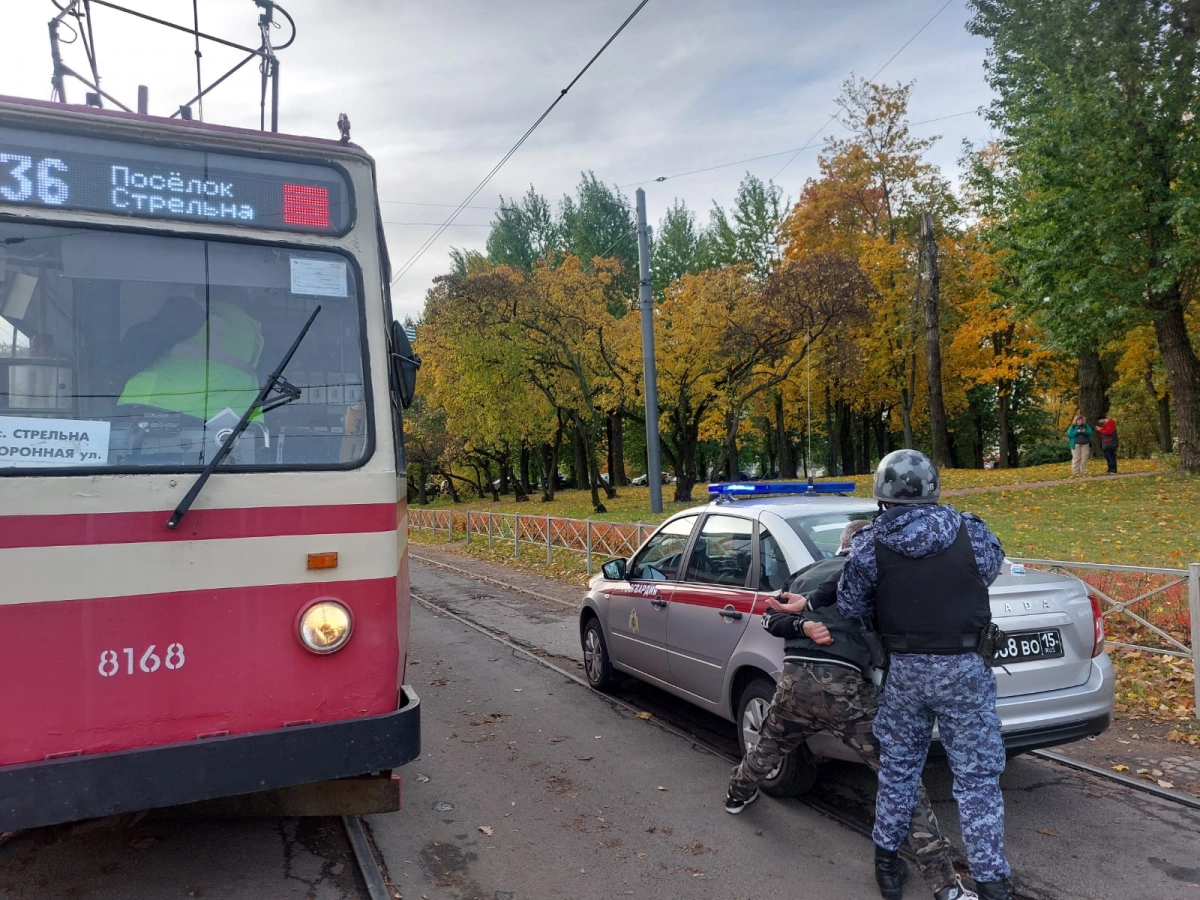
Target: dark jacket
column 818, row 583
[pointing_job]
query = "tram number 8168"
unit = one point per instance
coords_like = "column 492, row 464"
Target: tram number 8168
column 149, row 662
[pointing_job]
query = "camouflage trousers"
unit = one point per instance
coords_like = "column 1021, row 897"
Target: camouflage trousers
column 811, row 698
column 960, row 692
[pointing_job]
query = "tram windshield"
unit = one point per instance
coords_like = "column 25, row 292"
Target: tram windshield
column 131, row 352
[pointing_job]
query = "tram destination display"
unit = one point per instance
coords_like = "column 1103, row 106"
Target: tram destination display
column 47, row 170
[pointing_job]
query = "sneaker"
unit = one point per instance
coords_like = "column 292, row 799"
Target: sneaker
column 733, row 806
column 955, row 891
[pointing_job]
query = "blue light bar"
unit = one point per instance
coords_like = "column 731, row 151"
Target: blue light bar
column 779, row 488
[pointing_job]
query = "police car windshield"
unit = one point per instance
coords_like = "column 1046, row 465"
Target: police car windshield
column 122, row 351
column 822, row 533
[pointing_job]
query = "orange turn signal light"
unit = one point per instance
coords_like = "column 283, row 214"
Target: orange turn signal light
column 322, row 560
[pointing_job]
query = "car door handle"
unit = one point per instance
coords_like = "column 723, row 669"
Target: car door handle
column 658, row 602
column 729, row 613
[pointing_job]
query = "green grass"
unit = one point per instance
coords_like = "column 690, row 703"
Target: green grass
column 1137, row 522
column 1148, row 521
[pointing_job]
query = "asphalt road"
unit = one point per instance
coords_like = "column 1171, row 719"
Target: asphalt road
column 531, row 786
column 157, row 859
column 1070, row 834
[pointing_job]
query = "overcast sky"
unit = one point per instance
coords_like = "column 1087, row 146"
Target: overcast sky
column 438, row 92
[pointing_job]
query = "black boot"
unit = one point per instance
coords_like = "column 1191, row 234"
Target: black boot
column 993, row 890
column 955, row 891
column 890, row 873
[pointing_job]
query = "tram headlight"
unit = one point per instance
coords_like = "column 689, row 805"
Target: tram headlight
column 325, row 626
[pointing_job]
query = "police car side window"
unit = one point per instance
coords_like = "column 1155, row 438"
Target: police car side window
column 772, row 567
column 721, row 554
column 659, row 560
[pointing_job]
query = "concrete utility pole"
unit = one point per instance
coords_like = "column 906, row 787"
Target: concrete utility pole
column 649, row 367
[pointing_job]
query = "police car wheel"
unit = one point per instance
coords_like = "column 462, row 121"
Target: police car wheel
column 596, row 664
column 797, row 773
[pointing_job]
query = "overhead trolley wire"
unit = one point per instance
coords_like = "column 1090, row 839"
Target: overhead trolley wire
column 891, row 58
column 810, row 145
column 517, row 146
column 445, row 205
column 812, row 141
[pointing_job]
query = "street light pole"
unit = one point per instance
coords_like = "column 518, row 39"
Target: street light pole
column 650, row 369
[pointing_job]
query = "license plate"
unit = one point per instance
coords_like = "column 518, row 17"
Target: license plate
column 1028, row 646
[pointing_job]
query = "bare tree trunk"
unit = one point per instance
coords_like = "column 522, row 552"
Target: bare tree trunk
column 581, row 463
column 783, row 447
column 1183, row 374
column 616, row 471
column 1002, row 416
column 450, row 488
column 525, row 469
column 610, row 448
column 906, row 405
column 1163, row 406
column 879, row 426
column 422, row 500
column 1091, row 386
column 830, row 435
column 977, row 420
column 846, row 437
column 865, row 455
column 929, row 286
column 1164, row 423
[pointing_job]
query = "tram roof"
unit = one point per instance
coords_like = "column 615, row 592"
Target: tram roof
column 174, row 123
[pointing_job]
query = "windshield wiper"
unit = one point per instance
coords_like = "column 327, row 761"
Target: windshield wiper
column 275, row 382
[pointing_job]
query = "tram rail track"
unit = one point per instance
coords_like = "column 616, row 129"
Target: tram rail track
column 373, row 875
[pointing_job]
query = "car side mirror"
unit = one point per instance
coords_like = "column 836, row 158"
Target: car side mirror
column 614, row 570
column 404, row 366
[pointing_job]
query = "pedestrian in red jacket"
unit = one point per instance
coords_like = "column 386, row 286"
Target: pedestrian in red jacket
column 1107, row 429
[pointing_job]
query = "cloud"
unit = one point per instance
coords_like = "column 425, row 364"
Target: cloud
column 438, row 92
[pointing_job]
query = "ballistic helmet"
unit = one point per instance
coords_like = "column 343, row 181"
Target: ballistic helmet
column 907, row 476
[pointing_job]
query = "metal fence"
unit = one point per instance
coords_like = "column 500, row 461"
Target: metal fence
column 1131, row 597
column 591, row 539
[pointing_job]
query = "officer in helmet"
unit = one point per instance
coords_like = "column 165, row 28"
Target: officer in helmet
column 922, row 570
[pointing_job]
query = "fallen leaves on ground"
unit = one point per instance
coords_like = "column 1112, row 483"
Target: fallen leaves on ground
column 1160, row 687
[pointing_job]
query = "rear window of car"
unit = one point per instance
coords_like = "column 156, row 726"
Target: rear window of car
column 823, row 534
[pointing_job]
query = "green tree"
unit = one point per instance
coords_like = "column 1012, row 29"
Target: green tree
column 679, row 248
column 598, row 223
column 1096, row 102
column 522, row 232
column 753, row 237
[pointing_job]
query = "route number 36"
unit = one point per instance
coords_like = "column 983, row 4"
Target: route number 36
column 110, row 661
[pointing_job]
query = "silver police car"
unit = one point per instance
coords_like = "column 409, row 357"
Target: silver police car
column 684, row 614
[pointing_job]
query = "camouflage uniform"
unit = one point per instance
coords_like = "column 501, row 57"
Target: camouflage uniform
column 959, row 690
column 815, row 697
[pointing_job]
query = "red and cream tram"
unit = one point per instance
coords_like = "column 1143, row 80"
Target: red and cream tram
column 203, row 570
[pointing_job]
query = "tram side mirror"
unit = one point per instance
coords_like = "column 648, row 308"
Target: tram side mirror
column 614, row 570
column 404, row 366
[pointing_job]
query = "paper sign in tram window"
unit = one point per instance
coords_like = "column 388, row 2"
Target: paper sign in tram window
column 319, row 277
column 52, row 443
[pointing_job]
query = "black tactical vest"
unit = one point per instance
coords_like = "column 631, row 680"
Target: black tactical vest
column 936, row 604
